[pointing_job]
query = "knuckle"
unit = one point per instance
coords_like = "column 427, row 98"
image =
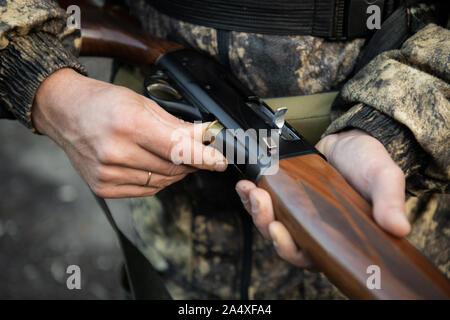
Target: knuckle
column 102, row 173
column 326, row 144
column 175, row 152
column 120, row 124
column 166, row 181
column 100, row 190
column 179, row 148
column 380, row 170
column 262, row 220
column 107, row 154
column 375, row 167
column 174, row 169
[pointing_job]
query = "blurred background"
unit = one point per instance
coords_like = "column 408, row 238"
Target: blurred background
column 50, row 220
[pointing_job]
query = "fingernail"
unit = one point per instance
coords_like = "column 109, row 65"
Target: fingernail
column 399, row 223
column 241, row 195
column 221, row 165
column 255, row 204
column 275, row 244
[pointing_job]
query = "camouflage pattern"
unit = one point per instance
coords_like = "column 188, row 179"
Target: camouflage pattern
column 402, row 99
column 204, row 263
column 270, row 65
column 416, row 137
column 429, row 213
column 196, row 232
column 34, row 43
column 187, row 229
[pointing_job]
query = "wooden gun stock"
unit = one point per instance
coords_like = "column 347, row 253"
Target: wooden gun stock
column 111, row 32
column 326, row 217
column 333, row 224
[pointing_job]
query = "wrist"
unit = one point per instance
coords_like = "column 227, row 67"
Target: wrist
column 57, row 94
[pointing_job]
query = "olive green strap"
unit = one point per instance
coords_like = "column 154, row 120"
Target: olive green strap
column 309, row 114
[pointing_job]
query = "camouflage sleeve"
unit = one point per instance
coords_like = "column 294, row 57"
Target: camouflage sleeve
column 401, row 98
column 34, row 43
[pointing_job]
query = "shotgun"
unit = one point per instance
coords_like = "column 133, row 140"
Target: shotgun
column 327, row 218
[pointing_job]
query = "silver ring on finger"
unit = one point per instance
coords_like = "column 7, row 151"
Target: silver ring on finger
column 147, row 183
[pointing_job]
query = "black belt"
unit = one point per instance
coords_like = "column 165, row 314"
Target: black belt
column 331, row 19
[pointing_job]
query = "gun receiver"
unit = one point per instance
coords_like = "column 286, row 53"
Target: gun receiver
column 326, row 216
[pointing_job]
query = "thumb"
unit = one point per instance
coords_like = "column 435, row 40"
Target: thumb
column 368, row 167
column 388, row 198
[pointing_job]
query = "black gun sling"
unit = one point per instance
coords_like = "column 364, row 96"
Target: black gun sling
column 144, row 281
column 330, row 19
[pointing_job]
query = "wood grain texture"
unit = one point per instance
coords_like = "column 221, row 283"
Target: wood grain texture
column 333, row 224
column 110, row 31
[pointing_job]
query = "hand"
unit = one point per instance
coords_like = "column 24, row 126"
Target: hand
column 365, row 164
column 114, row 136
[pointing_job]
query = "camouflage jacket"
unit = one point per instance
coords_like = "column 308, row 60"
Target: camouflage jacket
column 34, row 43
column 195, row 231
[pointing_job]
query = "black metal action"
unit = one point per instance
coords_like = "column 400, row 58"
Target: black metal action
column 194, row 86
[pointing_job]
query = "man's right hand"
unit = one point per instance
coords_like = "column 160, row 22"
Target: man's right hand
column 115, row 137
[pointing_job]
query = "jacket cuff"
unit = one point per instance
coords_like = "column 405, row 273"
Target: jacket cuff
column 399, row 142
column 25, row 63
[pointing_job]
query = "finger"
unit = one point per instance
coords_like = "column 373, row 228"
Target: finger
column 196, row 129
column 178, row 146
column 175, row 122
column 286, row 248
column 159, row 132
column 124, row 191
column 201, row 156
column 261, row 210
column 205, row 157
column 157, row 110
column 138, row 158
column 388, row 198
column 258, row 203
column 127, row 176
column 243, row 189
